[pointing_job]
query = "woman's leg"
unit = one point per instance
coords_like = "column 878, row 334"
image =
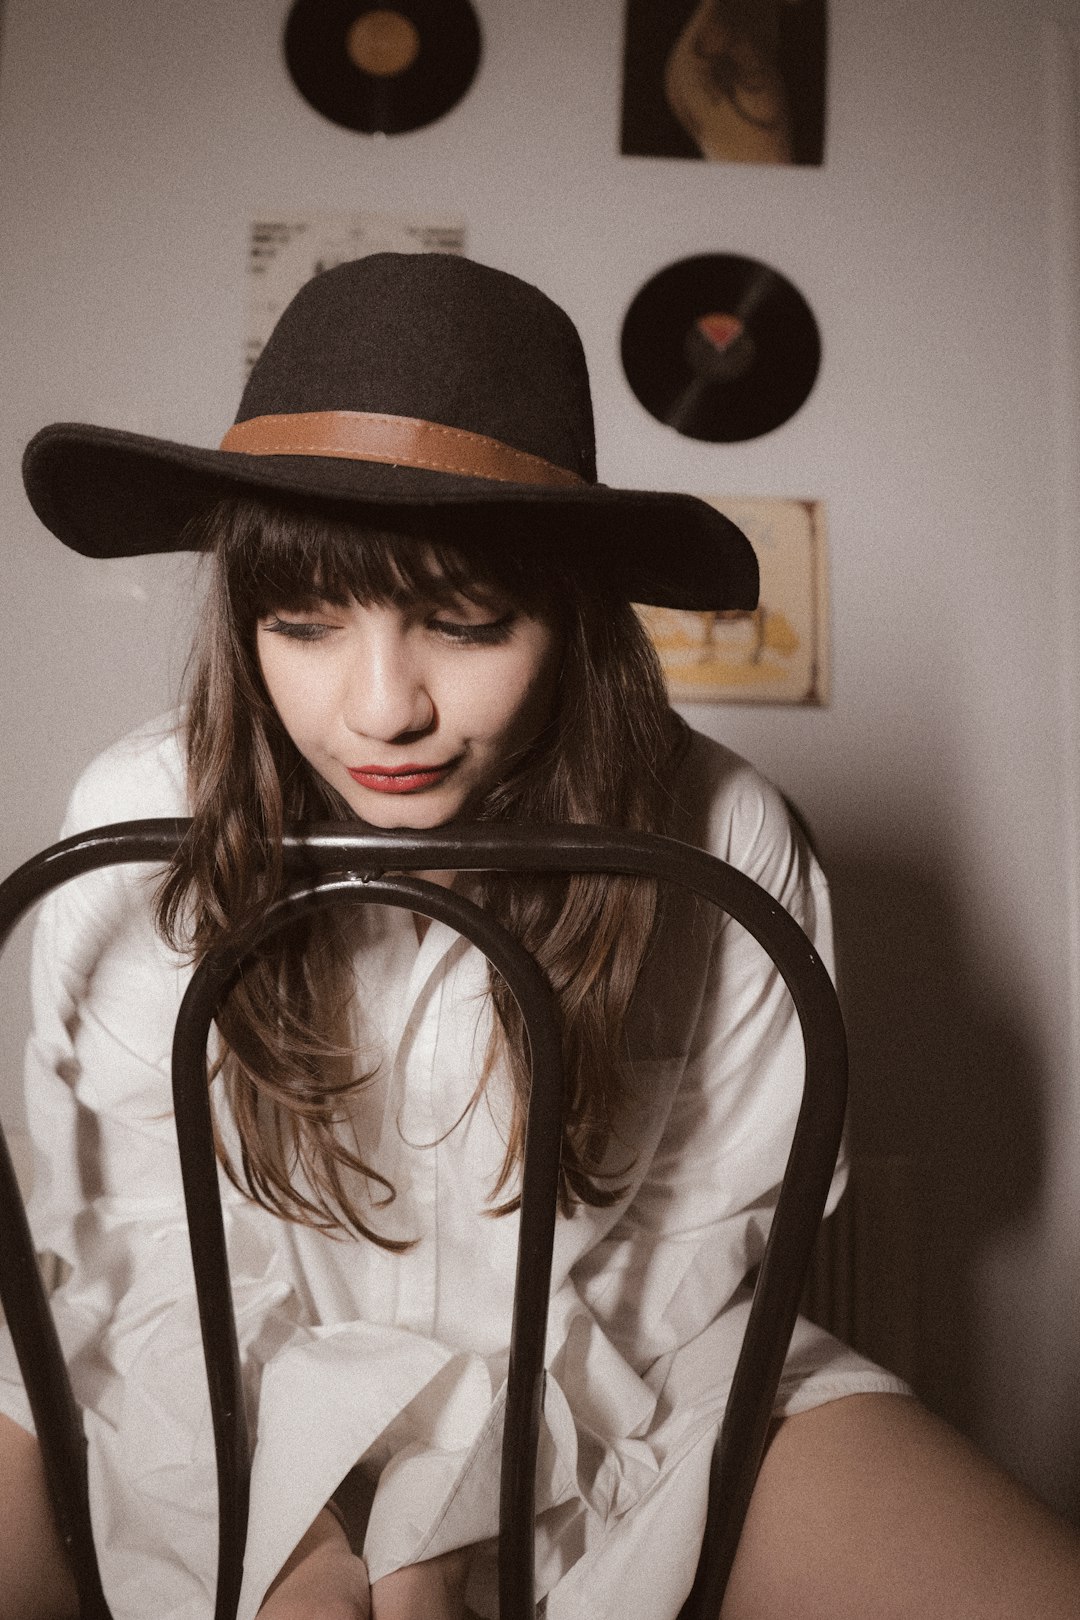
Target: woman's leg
column 321, row 1579
column 869, row 1508
column 433, row 1590
column 35, row 1581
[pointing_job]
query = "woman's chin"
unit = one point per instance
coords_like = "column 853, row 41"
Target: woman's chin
column 419, row 812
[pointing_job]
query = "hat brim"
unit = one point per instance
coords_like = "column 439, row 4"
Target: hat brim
column 108, row 493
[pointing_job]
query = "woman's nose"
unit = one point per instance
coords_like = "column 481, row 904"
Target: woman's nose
column 387, row 693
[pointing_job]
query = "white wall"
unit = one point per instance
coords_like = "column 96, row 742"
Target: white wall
column 138, row 139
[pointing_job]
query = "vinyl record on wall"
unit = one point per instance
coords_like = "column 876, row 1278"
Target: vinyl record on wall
column 720, row 347
column 382, row 68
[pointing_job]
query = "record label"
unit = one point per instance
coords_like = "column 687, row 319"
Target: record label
column 382, row 68
column 720, row 347
column 383, row 43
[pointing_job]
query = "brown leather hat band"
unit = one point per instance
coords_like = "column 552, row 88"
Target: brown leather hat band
column 404, row 441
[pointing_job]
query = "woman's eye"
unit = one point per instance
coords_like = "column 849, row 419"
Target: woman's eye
column 486, row 633
column 296, row 629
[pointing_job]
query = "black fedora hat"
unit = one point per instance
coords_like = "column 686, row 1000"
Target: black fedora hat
column 395, row 387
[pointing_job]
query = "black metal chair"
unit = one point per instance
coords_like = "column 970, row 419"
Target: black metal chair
column 338, row 864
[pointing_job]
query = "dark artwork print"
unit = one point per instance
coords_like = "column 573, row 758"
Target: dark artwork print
column 738, row 81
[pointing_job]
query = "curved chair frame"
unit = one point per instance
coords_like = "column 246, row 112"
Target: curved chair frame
column 338, row 864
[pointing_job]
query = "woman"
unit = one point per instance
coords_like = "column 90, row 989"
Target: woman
column 420, row 612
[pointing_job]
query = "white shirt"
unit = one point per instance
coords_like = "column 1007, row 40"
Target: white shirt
column 356, row 1354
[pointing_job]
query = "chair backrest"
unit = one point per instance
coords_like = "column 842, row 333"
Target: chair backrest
column 333, row 865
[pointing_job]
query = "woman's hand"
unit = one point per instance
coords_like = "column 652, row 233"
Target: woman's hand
column 322, row 1579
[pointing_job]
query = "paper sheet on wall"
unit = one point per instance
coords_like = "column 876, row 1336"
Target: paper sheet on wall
column 779, row 653
column 284, row 253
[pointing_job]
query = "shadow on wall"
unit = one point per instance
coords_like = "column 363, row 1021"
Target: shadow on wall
column 946, row 1127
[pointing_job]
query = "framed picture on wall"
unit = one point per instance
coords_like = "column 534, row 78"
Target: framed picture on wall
column 737, row 81
column 779, row 653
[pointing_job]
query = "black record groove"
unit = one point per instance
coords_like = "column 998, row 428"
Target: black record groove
column 382, row 68
column 720, row 347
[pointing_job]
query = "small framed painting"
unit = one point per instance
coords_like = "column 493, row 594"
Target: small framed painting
column 779, row 653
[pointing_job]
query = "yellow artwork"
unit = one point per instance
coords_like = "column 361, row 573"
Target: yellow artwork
column 779, row 653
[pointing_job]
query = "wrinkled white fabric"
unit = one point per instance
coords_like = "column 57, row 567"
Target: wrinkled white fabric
column 397, row 1361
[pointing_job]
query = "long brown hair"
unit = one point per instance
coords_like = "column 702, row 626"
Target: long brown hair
column 604, row 757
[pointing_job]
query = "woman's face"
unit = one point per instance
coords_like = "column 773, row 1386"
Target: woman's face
column 410, row 712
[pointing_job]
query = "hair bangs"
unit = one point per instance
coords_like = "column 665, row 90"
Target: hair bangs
column 276, row 558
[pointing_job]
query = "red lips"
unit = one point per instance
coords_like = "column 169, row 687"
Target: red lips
column 402, row 778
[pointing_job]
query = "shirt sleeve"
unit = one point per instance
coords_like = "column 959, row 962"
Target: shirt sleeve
column 108, row 1200
column 699, row 1220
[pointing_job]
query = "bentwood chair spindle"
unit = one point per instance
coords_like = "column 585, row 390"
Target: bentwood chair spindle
column 334, row 865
